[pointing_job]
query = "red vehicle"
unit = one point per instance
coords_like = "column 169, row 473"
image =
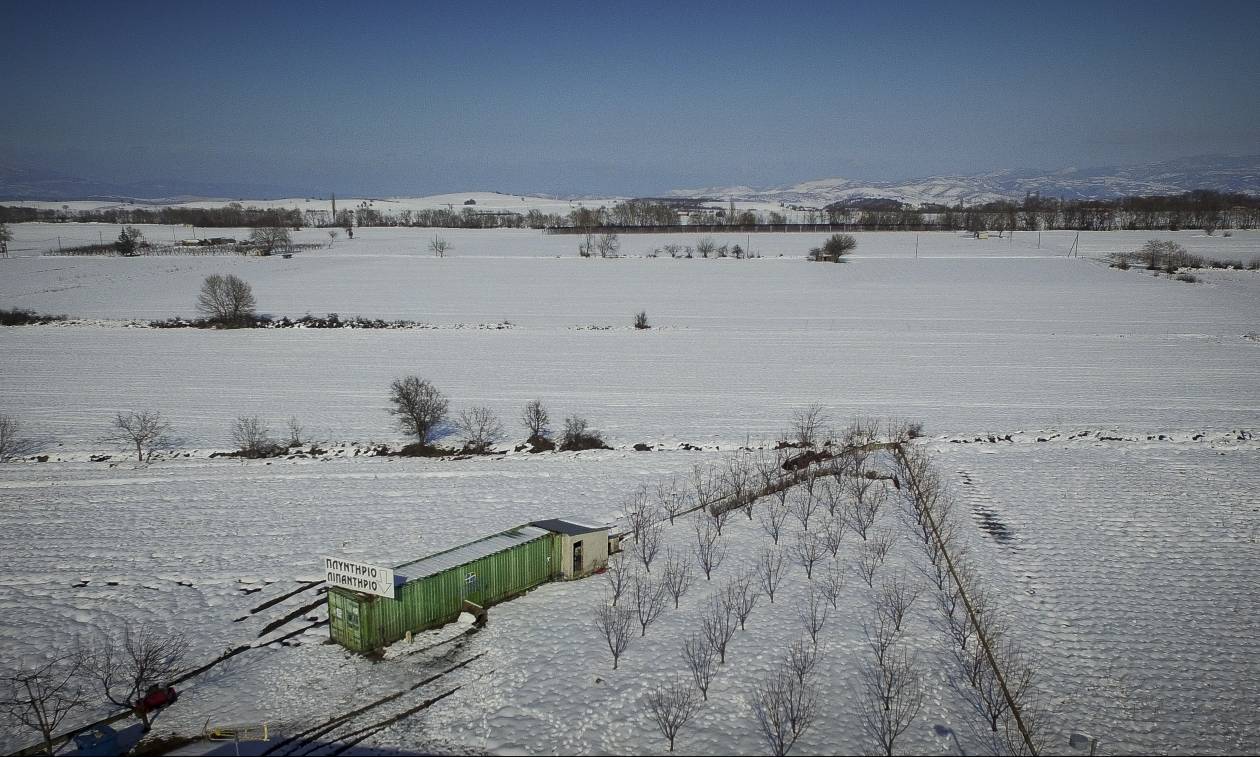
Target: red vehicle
column 156, row 698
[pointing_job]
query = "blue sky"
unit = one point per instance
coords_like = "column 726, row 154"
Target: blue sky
column 416, row 98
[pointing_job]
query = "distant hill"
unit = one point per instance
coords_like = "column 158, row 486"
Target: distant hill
column 1218, row 172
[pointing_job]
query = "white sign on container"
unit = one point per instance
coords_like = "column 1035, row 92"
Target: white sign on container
column 357, row 576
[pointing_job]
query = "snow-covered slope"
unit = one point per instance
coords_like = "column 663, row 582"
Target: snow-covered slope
column 1221, row 173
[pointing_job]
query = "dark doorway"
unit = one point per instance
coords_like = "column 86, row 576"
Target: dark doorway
column 577, row 557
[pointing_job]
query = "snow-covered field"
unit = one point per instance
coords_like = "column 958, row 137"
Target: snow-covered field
column 1131, row 573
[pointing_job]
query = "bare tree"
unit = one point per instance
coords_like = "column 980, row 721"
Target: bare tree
column 226, row 300
column 705, row 246
column 807, row 425
column 709, row 547
column 718, row 625
column 419, row 405
column 737, row 480
column 43, row 696
column 269, row 238
column 536, row 419
column 251, row 435
column 139, row 658
column 671, row 706
column 616, row 625
column 438, row 246
column 894, row 697
column 701, row 660
column 802, row 660
column 479, row 428
column 831, row 493
column 867, row 498
column 807, row 551
column 894, row 598
column 332, row 237
column 772, row 517
column 832, row 534
column 784, row 709
column 145, row 430
column 770, row 570
column 647, row 545
column 607, row 245
column 805, row 504
column 649, row 599
column 617, row 577
column 12, row 444
column 677, row 575
column 831, row 583
column 672, row 498
column 740, row 593
column 871, row 555
column 813, row 614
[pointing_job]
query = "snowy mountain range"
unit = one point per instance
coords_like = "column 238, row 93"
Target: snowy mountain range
column 1217, row 172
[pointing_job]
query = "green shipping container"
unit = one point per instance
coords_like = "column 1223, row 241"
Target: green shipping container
column 434, row 588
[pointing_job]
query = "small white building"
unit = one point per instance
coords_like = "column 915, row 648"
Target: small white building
column 584, row 546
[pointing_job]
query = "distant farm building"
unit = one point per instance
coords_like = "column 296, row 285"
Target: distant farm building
column 434, row 590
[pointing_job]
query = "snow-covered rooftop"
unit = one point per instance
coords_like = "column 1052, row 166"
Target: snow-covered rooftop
column 453, row 558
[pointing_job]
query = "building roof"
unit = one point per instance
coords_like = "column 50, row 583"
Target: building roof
column 462, row 555
column 570, row 526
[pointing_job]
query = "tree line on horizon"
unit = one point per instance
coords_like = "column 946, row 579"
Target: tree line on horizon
column 1201, row 209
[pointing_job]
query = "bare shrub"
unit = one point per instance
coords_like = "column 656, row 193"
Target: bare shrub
column 226, row 300
column 784, row 709
column 419, row 407
column 770, row 570
column 439, row 246
column 706, row 246
column 536, row 419
column 641, row 320
column 677, row 575
column 807, row 425
column 12, row 444
column 296, row 432
column 143, row 430
column 126, row 665
column 479, row 428
column 252, row 437
column 578, row 435
column 671, row 706
column 615, row 625
column 701, row 660
column 42, row 697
